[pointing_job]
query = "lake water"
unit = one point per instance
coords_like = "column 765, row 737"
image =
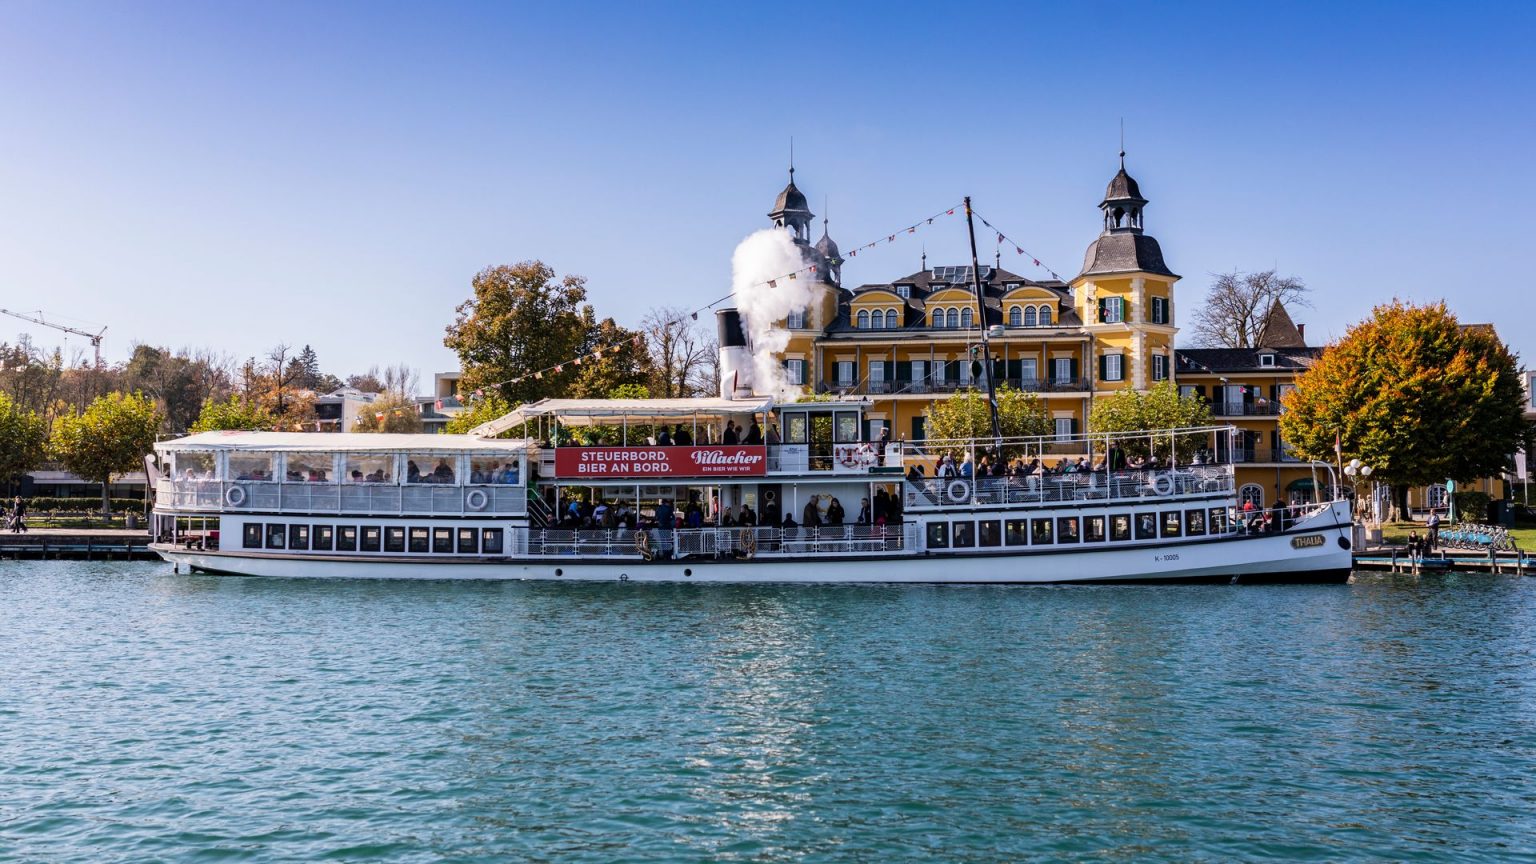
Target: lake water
column 146, row 716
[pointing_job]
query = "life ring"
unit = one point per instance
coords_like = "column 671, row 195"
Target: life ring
column 476, row 499
column 748, row 543
column 234, row 496
column 959, row 491
column 1163, row 484
column 643, row 544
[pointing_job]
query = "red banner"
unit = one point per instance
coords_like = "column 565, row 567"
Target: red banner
column 720, row 460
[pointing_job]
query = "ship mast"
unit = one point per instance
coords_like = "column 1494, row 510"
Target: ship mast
column 981, row 320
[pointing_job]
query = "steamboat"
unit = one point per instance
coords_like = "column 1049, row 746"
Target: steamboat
column 729, row 489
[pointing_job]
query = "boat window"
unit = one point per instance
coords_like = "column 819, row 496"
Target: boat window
column 1173, row 524
column 1016, row 532
column 989, row 532
column 370, row 468
column 1120, row 526
column 847, row 427
column 308, row 468
column 250, row 466
column 938, row 535
column 1194, row 522
column 1146, row 526
column 346, row 538
column 277, row 533
column 796, row 429
column 1093, row 529
column 1066, row 530
column 394, row 538
column 442, row 539
column 322, row 538
column 495, row 469
column 298, row 537
column 1040, row 532
column 467, row 543
column 963, row 534
column 252, row 539
column 193, row 465
column 419, row 539
column 431, row 469
column 490, row 541
column 1218, row 523
column 369, row 541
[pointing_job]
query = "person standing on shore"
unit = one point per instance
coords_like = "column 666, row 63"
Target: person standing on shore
column 18, row 516
column 1432, row 541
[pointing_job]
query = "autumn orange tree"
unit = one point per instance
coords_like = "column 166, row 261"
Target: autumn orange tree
column 1414, row 394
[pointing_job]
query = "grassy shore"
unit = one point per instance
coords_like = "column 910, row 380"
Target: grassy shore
column 1396, row 533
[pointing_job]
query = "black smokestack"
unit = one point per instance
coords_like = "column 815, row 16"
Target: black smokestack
column 729, row 323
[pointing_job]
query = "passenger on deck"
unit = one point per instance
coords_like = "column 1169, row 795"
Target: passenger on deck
column 747, row 517
column 864, row 515
column 443, row 473
column 727, row 518
column 509, row 473
column 835, row 513
column 663, row 438
column 682, row 437
column 754, row 434
column 773, row 433
column 412, row 473
column 811, row 518
column 967, row 469
column 881, row 510
column 731, row 435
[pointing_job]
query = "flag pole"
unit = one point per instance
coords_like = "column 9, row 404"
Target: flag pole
column 981, row 320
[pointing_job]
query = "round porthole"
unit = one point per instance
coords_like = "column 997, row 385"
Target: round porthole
column 687, row 572
column 559, row 572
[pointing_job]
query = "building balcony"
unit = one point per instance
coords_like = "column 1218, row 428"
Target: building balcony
column 943, row 386
column 1263, row 408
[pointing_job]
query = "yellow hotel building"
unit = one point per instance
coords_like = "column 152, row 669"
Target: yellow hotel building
column 905, row 343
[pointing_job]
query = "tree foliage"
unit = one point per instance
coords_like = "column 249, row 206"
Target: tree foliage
column 1236, row 312
column 520, row 320
column 23, row 438
column 680, row 354
column 390, row 413
column 1415, row 395
column 1158, row 409
column 112, row 436
column 481, row 410
column 231, row 414
column 965, row 415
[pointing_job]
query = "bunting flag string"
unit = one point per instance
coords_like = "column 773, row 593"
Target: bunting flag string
column 1018, row 247
column 639, row 341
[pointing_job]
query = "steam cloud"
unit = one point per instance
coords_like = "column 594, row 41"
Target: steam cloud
column 769, row 254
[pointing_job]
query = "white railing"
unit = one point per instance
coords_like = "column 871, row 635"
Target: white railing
column 374, row 499
column 1072, row 487
column 717, row 542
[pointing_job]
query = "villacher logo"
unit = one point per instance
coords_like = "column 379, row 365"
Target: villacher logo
column 720, row 459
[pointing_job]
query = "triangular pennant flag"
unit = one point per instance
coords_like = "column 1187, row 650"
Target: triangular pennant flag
column 930, row 221
column 773, row 283
column 695, row 316
column 479, row 393
column 853, row 254
column 912, row 230
column 813, row 268
column 559, row 369
column 891, row 239
column 539, row 376
column 951, row 212
column 578, row 361
column 791, row 276
column 1037, row 262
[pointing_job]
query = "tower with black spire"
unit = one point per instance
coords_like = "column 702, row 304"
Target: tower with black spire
column 791, row 212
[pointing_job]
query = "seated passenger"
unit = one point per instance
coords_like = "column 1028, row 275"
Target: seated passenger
column 442, row 473
column 509, row 474
column 412, row 472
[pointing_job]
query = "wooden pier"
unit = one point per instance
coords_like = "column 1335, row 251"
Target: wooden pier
column 1397, row 560
column 76, row 544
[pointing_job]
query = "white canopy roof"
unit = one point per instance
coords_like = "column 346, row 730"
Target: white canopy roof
column 595, row 412
column 335, row 442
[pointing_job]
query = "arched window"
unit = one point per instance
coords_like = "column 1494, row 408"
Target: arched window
column 890, row 319
column 863, row 319
column 1045, row 316
column 966, row 319
column 952, row 319
column 1015, row 316
column 1252, row 492
column 1029, row 317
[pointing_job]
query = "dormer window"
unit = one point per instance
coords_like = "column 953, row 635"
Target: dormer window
column 796, row 321
column 1267, row 361
column 904, row 291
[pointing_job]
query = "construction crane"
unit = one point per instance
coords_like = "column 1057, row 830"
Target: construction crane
column 94, row 337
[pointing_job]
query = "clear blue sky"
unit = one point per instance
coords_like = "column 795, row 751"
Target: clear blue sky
column 238, row 175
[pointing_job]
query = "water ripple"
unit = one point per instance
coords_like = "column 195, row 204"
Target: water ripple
column 146, row 716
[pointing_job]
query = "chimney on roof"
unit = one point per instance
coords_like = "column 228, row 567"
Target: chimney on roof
column 1301, row 330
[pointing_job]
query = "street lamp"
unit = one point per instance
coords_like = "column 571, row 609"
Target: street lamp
column 1357, row 471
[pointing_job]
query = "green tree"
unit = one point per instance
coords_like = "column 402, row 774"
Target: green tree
column 481, row 410
column 965, row 415
column 112, row 436
column 1415, row 395
column 391, row 413
column 230, row 415
column 519, row 321
column 1158, row 409
column 23, row 438
column 624, row 362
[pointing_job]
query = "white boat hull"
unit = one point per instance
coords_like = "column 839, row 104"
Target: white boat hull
column 1317, row 550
